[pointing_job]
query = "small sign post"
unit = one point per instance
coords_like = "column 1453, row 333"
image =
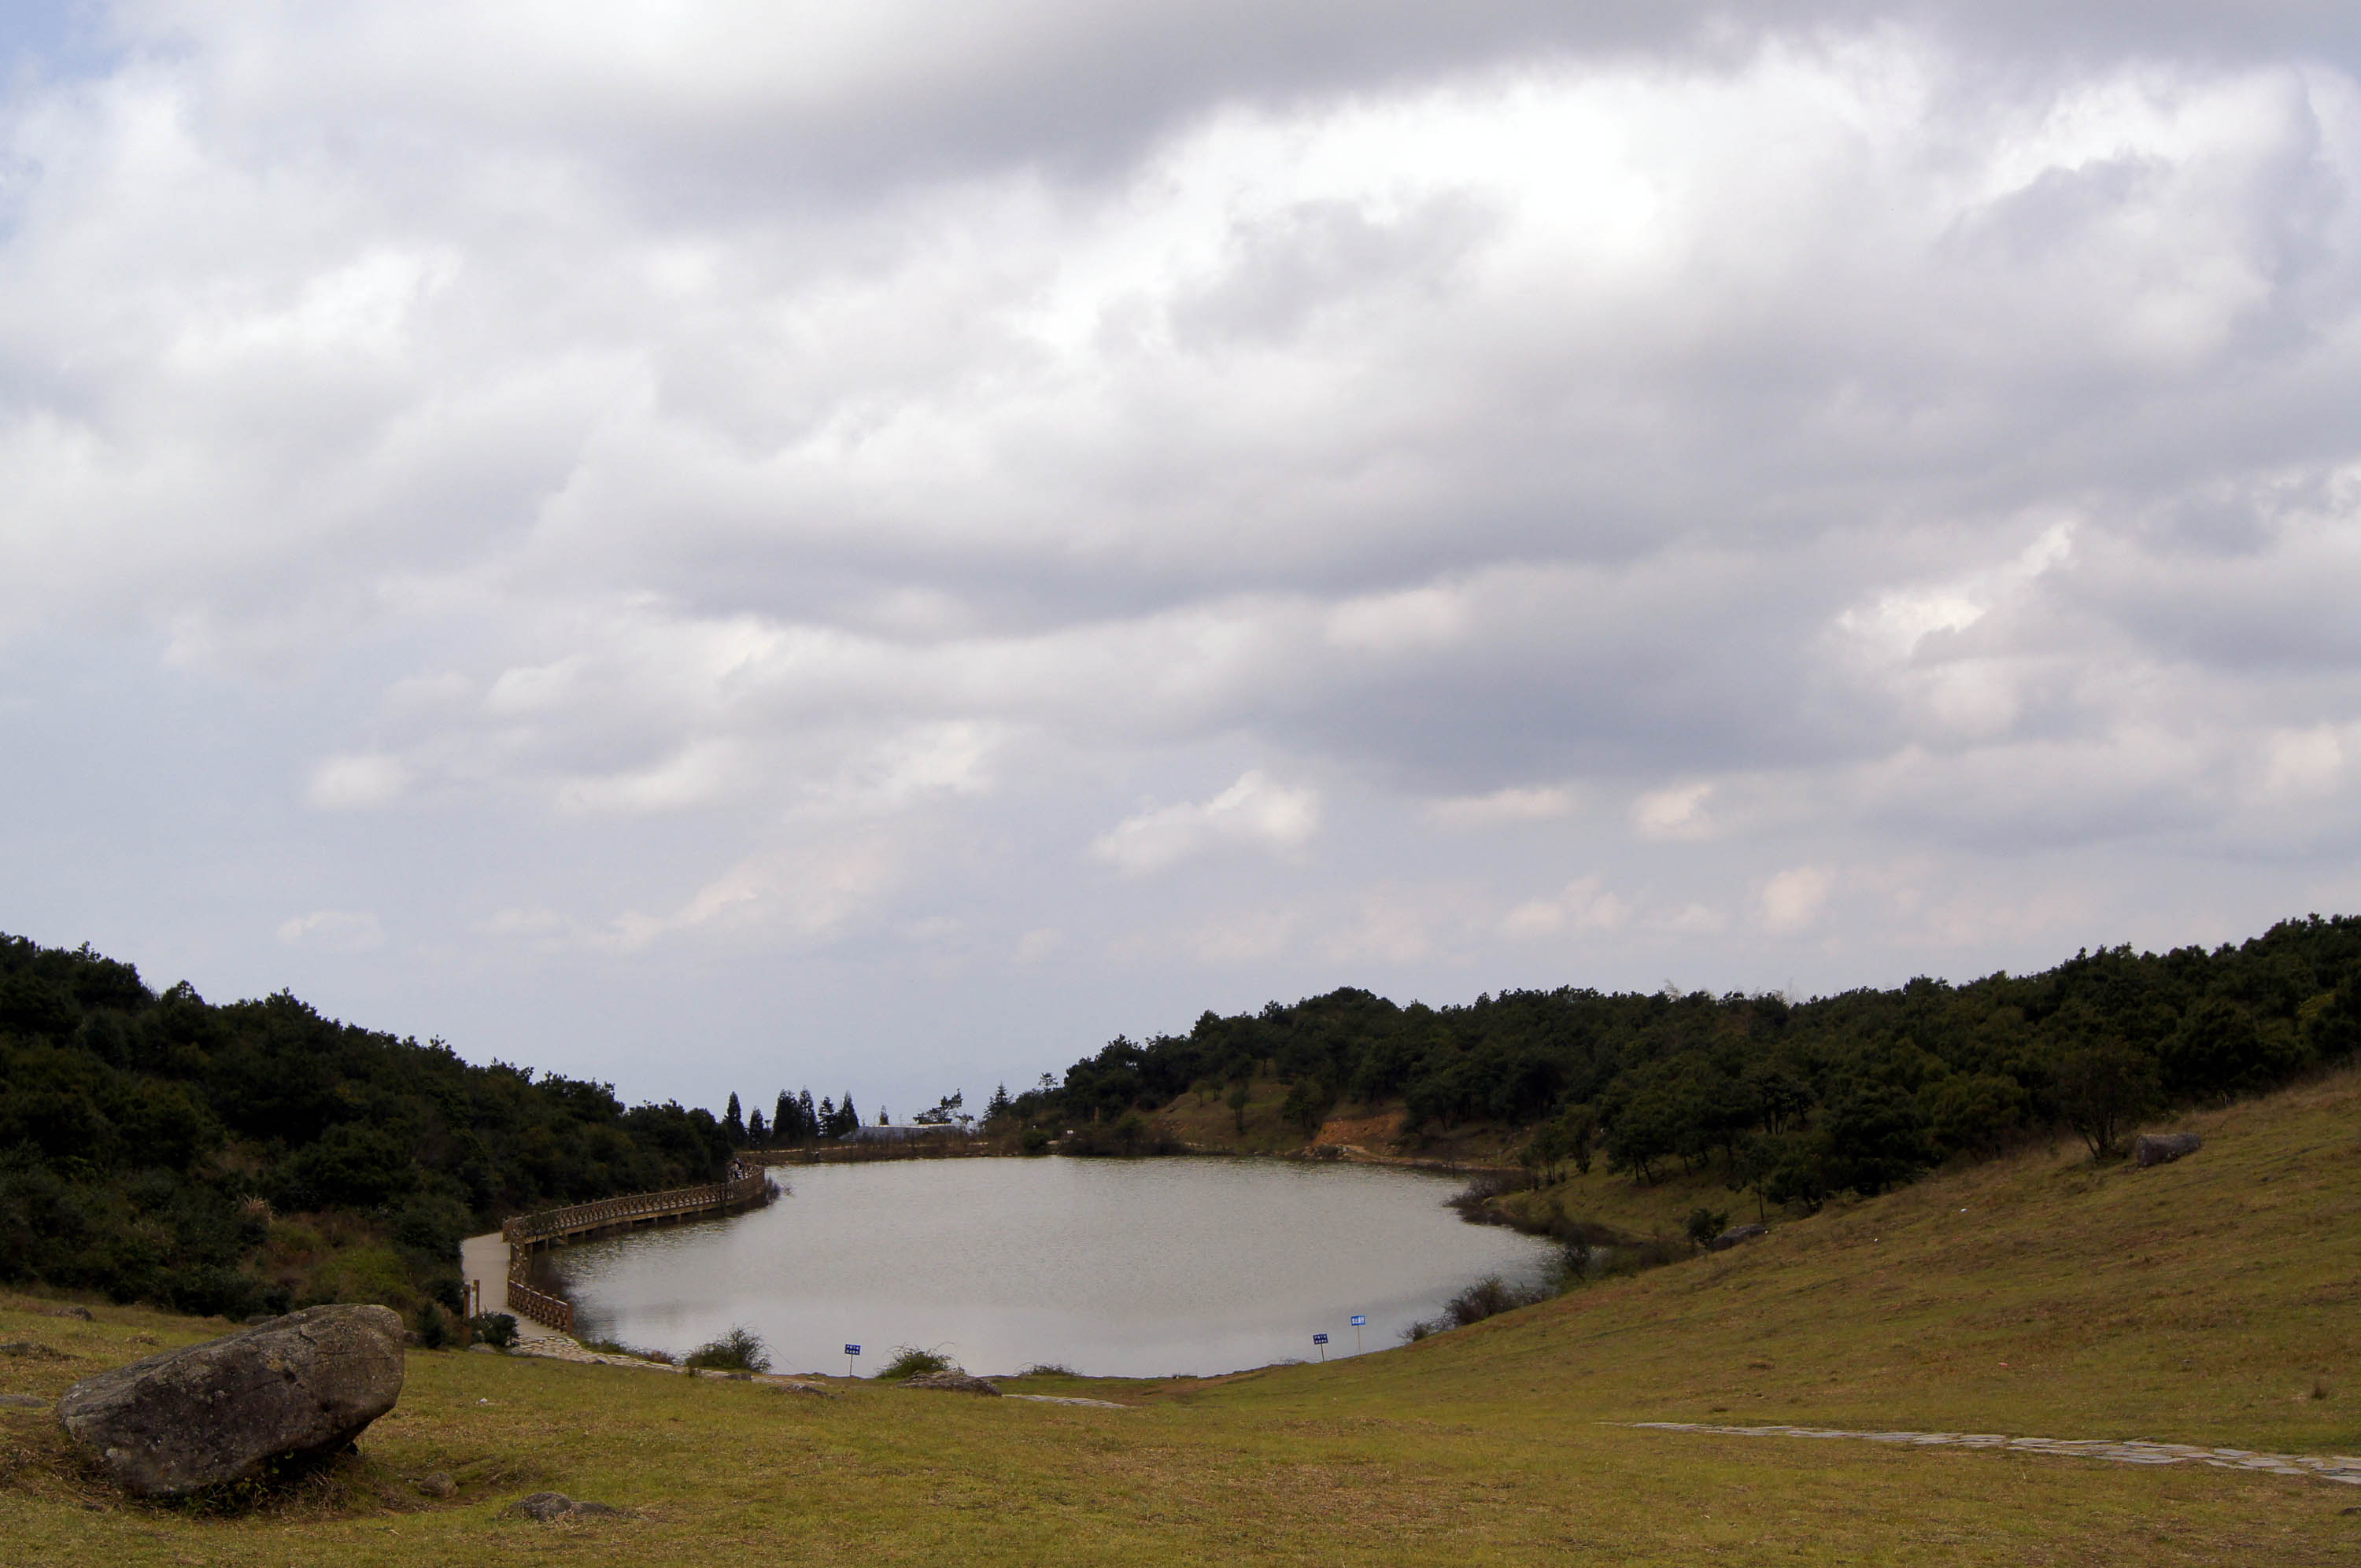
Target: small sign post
column 1359, row 1322
column 1321, row 1340
column 850, row 1352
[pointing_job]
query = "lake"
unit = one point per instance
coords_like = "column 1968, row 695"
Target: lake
column 1112, row 1268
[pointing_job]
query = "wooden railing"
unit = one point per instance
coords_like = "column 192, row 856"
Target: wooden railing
column 555, row 1224
column 525, row 1231
column 555, row 1311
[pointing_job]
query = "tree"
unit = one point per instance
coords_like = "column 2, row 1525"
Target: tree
column 733, row 1124
column 1306, row 1106
column 758, row 1132
column 783, row 1120
column 1704, row 1223
column 999, row 1105
column 2103, row 1087
column 1972, row 1113
column 1238, row 1103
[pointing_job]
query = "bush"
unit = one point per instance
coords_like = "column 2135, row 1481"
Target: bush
column 434, row 1328
column 1488, row 1298
column 1049, row 1369
column 740, row 1350
column 909, row 1360
column 1036, row 1140
column 495, row 1329
column 1704, row 1223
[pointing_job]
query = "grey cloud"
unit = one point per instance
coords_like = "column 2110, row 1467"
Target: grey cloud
column 744, row 496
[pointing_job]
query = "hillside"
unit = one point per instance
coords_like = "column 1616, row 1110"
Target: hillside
column 2210, row 1301
column 255, row 1156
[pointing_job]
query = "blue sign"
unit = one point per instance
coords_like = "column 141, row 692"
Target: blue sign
column 1359, row 1321
column 852, row 1350
column 1319, row 1339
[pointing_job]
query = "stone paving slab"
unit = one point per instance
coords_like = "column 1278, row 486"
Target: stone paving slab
column 2344, row 1469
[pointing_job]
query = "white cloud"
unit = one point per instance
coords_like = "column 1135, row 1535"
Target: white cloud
column 333, row 931
column 1504, row 806
column 1584, row 907
column 1793, row 899
column 1674, row 812
column 1039, row 945
column 1256, row 812
column 1692, row 920
column 356, row 782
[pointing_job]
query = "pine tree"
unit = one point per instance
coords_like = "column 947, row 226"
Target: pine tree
column 783, row 1120
column 733, row 1123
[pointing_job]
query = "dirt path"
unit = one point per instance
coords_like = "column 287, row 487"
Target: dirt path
column 2343, row 1468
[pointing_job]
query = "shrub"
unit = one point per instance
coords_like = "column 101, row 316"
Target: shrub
column 1049, row 1369
column 1036, row 1140
column 740, row 1350
column 1704, row 1224
column 495, row 1329
column 434, row 1328
column 909, row 1360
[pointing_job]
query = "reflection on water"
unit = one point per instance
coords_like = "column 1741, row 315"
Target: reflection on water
column 1115, row 1267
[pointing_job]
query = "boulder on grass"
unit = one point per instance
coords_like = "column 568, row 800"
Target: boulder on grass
column 2163, row 1149
column 289, row 1390
column 1735, row 1235
column 548, row 1507
column 953, row 1382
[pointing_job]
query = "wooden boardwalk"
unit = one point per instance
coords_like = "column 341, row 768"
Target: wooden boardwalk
column 524, row 1233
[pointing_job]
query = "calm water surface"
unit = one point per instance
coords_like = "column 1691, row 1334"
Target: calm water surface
column 1115, row 1267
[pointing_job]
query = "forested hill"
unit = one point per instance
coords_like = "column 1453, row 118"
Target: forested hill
column 1849, row 1091
column 150, row 1144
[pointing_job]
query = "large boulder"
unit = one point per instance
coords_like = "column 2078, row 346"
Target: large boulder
column 953, row 1381
column 292, row 1389
column 2163, row 1149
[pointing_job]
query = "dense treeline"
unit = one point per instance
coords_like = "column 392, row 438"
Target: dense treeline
column 151, row 1144
column 1848, row 1092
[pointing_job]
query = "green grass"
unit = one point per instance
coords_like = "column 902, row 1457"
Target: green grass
column 2202, row 1302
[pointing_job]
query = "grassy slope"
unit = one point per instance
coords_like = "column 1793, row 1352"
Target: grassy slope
column 2200, row 1301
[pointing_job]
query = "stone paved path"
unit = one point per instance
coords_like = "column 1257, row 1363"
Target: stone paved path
column 2343, row 1468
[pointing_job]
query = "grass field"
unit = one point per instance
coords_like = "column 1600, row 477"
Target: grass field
column 2217, row 1300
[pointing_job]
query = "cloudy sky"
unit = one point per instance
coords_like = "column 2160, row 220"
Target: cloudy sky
column 722, row 545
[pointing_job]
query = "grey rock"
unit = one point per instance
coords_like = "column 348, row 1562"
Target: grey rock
column 22, row 1402
column 297, row 1386
column 548, row 1506
column 25, row 1350
column 481, row 1350
column 438, row 1484
column 2163, row 1149
column 81, row 1312
column 953, row 1382
column 1735, row 1235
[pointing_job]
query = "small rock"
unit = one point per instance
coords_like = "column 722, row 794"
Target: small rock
column 296, row 1388
column 481, row 1350
column 2163, row 1149
column 953, row 1382
column 548, row 1506
column 1735, row 1235
column 27, row 1350
column 22, row 1402
column 262, row 1318
column 81, row 1312
column 439, row 1484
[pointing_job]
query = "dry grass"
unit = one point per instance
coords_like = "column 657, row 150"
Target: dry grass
column 2205, row 1302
